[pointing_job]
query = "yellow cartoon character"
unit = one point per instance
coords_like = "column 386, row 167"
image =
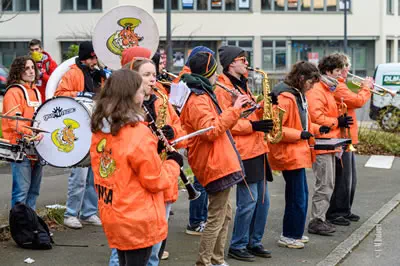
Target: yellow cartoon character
column 107, row 163
column 64, row 138
column 126, row 37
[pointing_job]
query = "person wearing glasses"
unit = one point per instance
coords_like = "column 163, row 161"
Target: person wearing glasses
column 252, row 198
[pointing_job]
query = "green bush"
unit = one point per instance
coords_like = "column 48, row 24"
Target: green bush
column 378, row 142
column 73, row 50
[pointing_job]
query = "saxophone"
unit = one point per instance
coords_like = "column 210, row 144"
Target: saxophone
column 162, row 112
column 269, row 112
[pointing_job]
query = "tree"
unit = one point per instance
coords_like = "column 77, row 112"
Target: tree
column 73, row 50
column 4, row 5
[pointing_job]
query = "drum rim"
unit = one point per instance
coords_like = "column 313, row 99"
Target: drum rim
column 34, row 146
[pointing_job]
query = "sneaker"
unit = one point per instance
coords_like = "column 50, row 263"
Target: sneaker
column 290, row 243
column 259, row 251
column 319, row 227
column 241, row 254
column 332, row 226
column 340, row 220
column 304, row 239
column 92, row 220
column 223, row 264
column 196, row 230
column 165, row 255
column 72, row 222
column 353, row 217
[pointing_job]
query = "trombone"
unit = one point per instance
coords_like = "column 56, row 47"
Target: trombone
column 382, row 91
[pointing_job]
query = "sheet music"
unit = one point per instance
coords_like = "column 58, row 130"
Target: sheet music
column 179, row 94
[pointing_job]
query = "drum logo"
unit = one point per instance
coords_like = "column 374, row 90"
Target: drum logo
column 64, row 138
column 107, row 163
column 126, row 37
column 58, row 112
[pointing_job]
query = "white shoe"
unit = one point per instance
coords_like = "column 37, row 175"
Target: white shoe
column 223, row 264
column 92, row 220
column 290, row 243
column 72, row 222
column 304, row 239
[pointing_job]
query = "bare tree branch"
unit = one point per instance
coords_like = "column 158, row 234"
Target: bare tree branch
column 5, row 4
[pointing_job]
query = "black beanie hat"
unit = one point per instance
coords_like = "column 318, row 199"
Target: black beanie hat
column 227, row 54
column 86, row 50
column 203, row 63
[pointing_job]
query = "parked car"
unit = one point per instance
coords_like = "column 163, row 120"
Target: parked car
column 3, row 79
column 386, row 109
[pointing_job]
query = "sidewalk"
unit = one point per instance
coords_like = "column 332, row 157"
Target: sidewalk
column 375, row 188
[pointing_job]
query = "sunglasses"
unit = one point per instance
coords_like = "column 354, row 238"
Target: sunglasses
column 242, row 58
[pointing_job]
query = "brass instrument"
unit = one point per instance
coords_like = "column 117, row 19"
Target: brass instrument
column 343, row 112
column 193, row 193
column 163, row 111
column 253, row 105
column 270, row 113
column 383, row 91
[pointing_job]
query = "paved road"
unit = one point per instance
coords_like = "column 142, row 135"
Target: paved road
column 376, row 187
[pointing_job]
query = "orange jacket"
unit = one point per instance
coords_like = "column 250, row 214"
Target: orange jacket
column 13, row 97
column 292, row 152
column 130, row 179
column 162, row 88
column 249, row 143
column 323, row 110
column 211, row 155
column 353, row 101
column 71, row 83
column 185, row 70
column 171, row 194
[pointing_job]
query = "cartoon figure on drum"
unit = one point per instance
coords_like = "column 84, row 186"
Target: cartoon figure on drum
column 20, row 102
column 64, row 138
column 126, row 37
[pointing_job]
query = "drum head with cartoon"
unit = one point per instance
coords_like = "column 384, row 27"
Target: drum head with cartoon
column 68, row 122
column 120, row 28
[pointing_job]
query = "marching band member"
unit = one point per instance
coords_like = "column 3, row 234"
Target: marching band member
column 129, row 175
column 293, row 153
column 82, row 79
column 22, row 97
column 252, row 197
column 212, row 156
column 162, row 111
column 324, row 111
column 346, row 176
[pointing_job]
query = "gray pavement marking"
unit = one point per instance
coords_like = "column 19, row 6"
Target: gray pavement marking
column 344, row 248
column 380, row 161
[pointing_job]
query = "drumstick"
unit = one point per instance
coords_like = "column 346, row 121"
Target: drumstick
column 12, row 109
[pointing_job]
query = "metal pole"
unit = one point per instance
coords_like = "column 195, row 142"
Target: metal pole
column 41, row 23
column 169, row 42
column 345, row 27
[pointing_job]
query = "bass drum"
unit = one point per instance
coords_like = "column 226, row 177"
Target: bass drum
column 68, row 121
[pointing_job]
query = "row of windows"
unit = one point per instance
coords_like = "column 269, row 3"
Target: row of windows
column 390, row 7
column 66, row 5
column 268, row 5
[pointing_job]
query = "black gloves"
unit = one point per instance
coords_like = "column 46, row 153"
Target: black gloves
column 324, row 129
column 306, row 135
column 168, row 132
column 274, row 98
column 345, row 121
column 176, row 157
column 85, row 94
column 160, row 146
column 262, row 125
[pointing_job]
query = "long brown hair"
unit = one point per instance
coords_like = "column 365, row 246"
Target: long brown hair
column 18, row 68
column 137, row 63
column 300, row 73
column 115, row 103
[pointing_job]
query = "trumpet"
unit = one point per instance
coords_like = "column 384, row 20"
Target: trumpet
column 253, row 105
column 383, row 91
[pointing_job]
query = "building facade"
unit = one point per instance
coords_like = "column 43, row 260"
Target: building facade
column 275, row 33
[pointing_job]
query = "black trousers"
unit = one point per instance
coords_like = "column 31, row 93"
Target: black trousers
column 135, row 257
column 345, row 187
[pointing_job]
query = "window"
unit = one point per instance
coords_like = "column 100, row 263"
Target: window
column 389, row 51
column 10, row 50
column 274, row 55
column 65, row 53
column 304, row 5
column 207, row 5
column 389, row 7
column 398, row 8
column 81, row 5
column 20, row 5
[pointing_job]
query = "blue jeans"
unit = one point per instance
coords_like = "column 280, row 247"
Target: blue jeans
column 82, row 197
column 198, row 208
column 26, row 182
column 296, row 198
column 251, row 216
column 114, row 261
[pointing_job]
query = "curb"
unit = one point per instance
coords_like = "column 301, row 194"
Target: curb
column 346, row 247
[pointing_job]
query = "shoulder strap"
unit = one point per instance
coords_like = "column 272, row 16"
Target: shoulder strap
column 34, row 104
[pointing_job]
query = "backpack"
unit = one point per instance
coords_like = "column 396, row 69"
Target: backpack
column 27, row 229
